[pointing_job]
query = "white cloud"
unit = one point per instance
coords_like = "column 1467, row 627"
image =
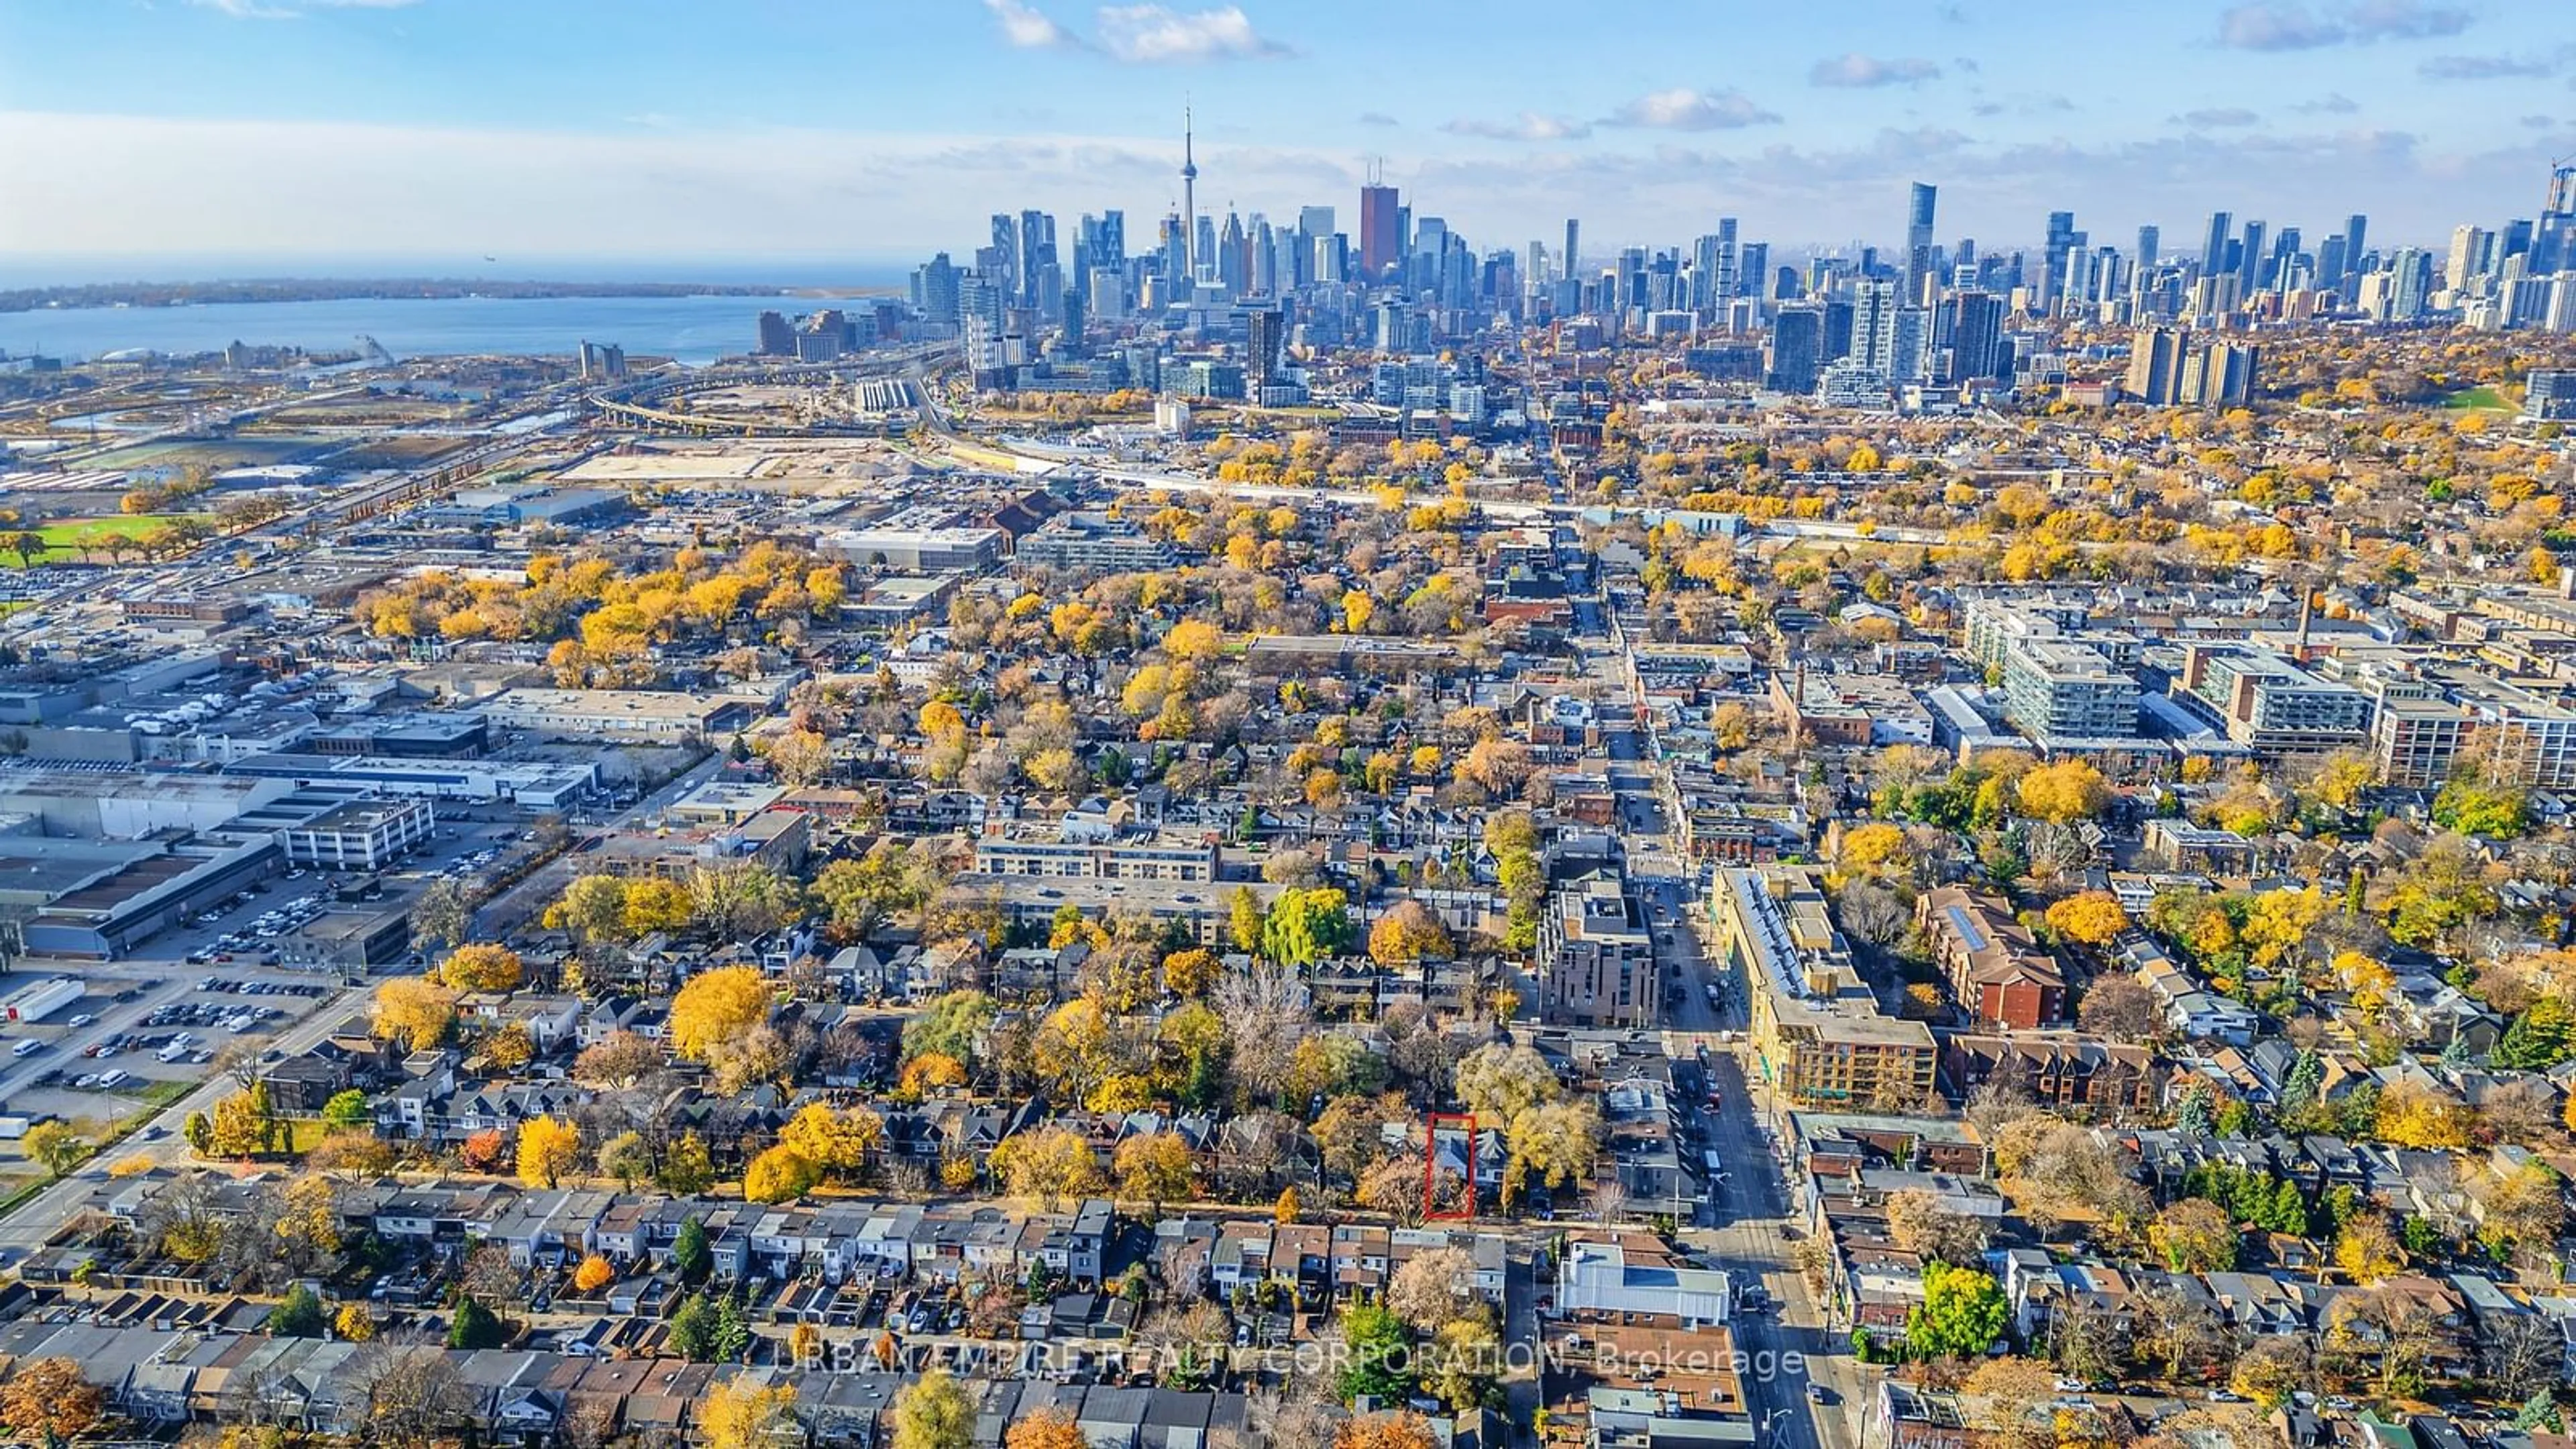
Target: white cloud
column 2484, row 67
column 1854, row 69
column 1026, row 28
column 2291, row 25
column 1685, row 109
column 294, row 9
column 1527, row 126
column 2217, row 116
column 1159, row 35
column 102, row 188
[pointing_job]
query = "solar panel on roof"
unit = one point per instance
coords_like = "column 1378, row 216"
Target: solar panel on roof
column 1966, row 928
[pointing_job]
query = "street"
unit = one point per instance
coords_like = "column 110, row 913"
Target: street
column 1744, row 1226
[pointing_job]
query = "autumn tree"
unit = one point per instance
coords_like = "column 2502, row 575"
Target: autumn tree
column 1155, row 1168
column 2194, row 1236
column 781, row 1174
column 1406, row 934
column 2064, row 793
column 414, row 1011
column 594, row 1274
column 1045, row 1429
column 1405, row 1430
column 50, row 1400
column 837, row 1142
column 482, row 967
column 549, row 1147
column 717, row 1008
column 2089, row 918
column 933, row 1412
column 743, row 1412
column 56, row 1146
column 1046, row 1166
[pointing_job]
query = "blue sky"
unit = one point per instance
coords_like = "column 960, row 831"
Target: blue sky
column 875, row 130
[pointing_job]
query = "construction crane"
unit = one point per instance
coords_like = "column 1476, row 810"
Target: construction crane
column 373, row 353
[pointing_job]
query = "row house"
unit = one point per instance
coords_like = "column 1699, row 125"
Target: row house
column 2063, row 1070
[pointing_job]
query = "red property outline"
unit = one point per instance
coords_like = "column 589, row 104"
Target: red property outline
column 1431, row 1210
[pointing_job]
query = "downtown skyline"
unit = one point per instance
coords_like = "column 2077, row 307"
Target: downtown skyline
column 298, row 130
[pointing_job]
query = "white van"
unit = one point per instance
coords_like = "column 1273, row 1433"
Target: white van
column 24, row 1047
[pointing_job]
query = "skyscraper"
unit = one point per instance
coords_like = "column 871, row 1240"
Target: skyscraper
column 2150, row 240
column 2213, row 252
column 1873, row 332
column 1918, row 240
column 1797, row 345
column 1976, row 336
column 1381, row 230
column 1263, row 327
column 2155, row 364
column 2553, row 240
column 1573, row 257
column 2249, row 262
column 2353, row 229
column 2060, row 241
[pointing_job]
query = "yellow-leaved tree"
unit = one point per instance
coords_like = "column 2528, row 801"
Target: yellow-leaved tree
column 717, row 1007
column 548, row 1148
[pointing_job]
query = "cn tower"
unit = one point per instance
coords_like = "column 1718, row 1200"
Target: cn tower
column 1189, row 205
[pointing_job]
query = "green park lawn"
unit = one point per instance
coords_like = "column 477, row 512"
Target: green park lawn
column 2474, row 397
column 64, row 538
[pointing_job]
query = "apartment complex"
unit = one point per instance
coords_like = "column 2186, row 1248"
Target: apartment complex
column 1997, row 973
column 2060, row 680
column 1817, row 1029
column 2271, row 705
column 1155, row 857
column 1596, row 957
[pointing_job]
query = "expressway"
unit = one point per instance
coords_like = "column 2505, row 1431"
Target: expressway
column 1515, row 511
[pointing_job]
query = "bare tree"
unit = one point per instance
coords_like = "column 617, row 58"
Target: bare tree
column 1267, row 1011
column 2519, row 1353
column 412, row 1394
column 2177, row 1331
column 1917, row 1223
column 2084, row 1341
column 1873, row 913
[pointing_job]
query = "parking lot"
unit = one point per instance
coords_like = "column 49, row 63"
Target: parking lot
column 147, row 1027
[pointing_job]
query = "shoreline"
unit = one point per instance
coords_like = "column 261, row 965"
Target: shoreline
column 175, row 296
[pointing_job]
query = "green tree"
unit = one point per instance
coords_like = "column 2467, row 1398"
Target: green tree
column 693, row 1329
column 1380, row 1348
column 298, row 1315
column 952, row 1026
column 2476, row 807
column 475, row 1326
column 1305, row 926
column 347, row 1109
column 1961, row 1315
column 691, row 1253
column 2541, row 1037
